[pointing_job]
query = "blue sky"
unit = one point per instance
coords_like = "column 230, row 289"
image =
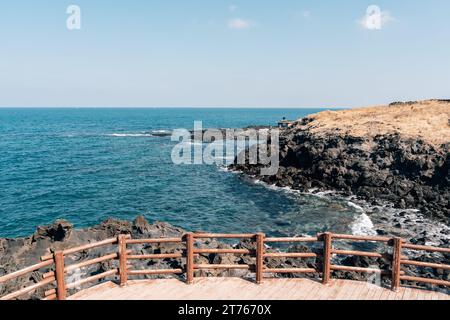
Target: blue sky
column 222, row 53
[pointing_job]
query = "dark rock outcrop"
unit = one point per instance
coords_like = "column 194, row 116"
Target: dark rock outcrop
column 408, row 172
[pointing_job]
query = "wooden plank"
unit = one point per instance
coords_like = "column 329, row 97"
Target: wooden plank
column 239, row 289
column 313, row 291
column 374, row 289
column 400, row 293
column 385, row 294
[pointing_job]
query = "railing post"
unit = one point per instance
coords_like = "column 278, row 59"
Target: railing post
column 326, row 238
column 61, row 291
column 123, row 274
column 259, row 257
column 396, row 263
column 189, row 237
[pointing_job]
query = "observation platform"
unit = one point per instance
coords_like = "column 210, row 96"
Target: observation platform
column 241, row 289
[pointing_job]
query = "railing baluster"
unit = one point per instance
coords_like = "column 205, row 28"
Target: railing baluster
column 123, row 273
column 189, row 237
column 61, row 291
column 327, row 248
column 396, row 263
column 259, row 257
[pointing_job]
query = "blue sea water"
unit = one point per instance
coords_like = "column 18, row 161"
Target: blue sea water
column 86, row 165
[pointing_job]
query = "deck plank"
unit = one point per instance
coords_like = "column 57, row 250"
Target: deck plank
column 240, row 289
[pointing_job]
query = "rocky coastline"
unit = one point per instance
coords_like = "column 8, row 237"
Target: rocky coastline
column 18, row 253
column 397, row 154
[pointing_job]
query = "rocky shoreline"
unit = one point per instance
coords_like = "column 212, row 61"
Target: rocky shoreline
column 21, row 252
column 376, row 154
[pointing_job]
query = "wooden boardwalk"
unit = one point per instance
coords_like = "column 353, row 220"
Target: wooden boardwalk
column 241, row 289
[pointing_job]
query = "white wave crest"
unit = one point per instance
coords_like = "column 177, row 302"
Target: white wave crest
column 363, row 226
column 122, row 135
column 354, row 205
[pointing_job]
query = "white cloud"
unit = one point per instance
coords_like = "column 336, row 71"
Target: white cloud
column 306, row 14
column 375, row 18
column 239, row 24
column 232, row 8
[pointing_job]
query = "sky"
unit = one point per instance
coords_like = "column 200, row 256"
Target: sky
column 237, row 53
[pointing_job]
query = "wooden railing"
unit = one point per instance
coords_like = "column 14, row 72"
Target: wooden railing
column 57, row 277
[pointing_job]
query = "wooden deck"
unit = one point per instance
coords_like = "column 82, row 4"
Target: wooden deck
column 240, row 289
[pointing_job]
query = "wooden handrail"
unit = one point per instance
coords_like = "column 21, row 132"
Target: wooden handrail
column 126, row 257
column 426, row 264
column 93, row 278
column 224, row 235
column 290, row 255
column 161, row 240
column 292, row 239
column 155, row 271
column 154, row 256
column 83, row 248
column 221, row 266
column 426, row 248
column 222, row 251
column 426, row 280
column 290, row 270
column 23, row 291
column 357, row 253
column 83, row 264
column 355, row 269
column 25, row 271
column 360, row 238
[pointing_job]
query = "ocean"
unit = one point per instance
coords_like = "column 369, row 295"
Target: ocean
column 86, row 165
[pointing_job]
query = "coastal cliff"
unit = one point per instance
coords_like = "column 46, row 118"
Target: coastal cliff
column 397, row 154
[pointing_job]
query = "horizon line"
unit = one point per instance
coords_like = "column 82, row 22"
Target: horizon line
column 172, row 107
